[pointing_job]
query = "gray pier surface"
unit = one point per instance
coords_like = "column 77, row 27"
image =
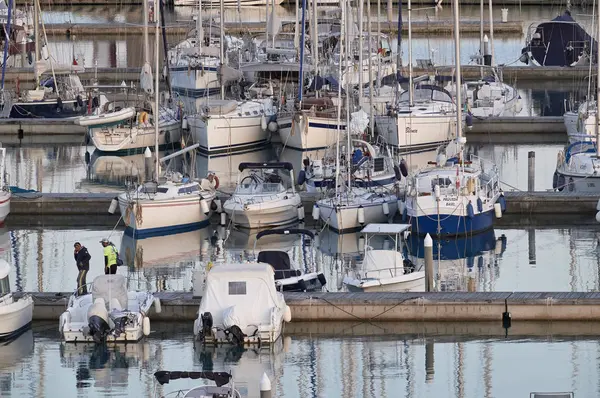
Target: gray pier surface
column 383, row 307
column 96, row 204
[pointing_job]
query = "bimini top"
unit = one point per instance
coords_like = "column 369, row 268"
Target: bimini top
column 385, row 228
column 220, row 378
column 275, row 165
column 287, row 231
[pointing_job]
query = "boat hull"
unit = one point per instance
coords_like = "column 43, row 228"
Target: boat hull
column 452, row 225
column 344, row 219
column 416, row 133
column 4, row 206
column 309, row 133
column 15, row 317
column 146, row 218
column 47, row 109
column 413, row 282
column 266, row 215
column 195, row 82
column 579, row 183
column 125, row 140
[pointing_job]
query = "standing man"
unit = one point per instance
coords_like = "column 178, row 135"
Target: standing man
column 110, row 257
column 82, row 259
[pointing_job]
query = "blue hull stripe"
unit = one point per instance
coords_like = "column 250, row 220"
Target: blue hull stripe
column 326, row 126
column 373, row 183
column 150, row 232
column 196, row 93
column 194, row 68
column 452, row 225
column 227, row 148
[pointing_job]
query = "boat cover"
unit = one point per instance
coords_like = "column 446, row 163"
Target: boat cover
column 220, row 378
column 110, row 287
column 280, row 261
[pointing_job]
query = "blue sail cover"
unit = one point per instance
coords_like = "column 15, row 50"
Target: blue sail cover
column 560, row 42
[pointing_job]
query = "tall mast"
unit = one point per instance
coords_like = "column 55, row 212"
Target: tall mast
column 410, row 63
column 458, row 73
column 222, row 46
column 146, row 40
column 339, row 102
column 301, row 74
column 597, row 86
column 156, row 81
column 315, row 45
column 481, row 38
column 348, row 91
column 360, row 52
column 36, row 33
column 199, row 30
column 492, row 34
column 370, row 52
column 379, row 40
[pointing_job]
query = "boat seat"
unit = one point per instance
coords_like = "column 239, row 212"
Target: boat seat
column 280, row 261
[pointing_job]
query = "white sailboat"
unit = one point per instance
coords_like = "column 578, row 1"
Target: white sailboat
column 116, row 129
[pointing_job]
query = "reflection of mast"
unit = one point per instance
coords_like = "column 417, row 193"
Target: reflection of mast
column 410, row 388
column 429, row 361
column 487, row 370
column 460, row 380
column 40, row 260
column 573, row 262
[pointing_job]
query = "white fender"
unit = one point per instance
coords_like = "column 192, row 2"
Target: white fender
column 287, row 314
column 157, row 306
column 146, row 326
column 287, row 343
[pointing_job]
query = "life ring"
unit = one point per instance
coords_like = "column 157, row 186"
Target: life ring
column 214, row 180
column 143, row 118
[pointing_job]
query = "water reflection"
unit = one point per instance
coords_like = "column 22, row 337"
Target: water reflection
column 14, row 356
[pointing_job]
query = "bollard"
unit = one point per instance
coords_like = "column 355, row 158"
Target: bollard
column 531, row 239
column 265, row 386
column 531, row 171
column 148, row 164
column 429, row 362
column 390, row 15
column 428, row 243
column 487, row 56
column 504, row 15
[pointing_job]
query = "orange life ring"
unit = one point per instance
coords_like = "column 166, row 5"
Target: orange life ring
column 216, row 179
column 143, row 118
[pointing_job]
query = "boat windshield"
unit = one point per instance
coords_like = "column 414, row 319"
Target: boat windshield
column 253, row 188
column 423, row 94
column 4, row 286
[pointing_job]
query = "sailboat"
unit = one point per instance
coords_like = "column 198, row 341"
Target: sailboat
column 161, row 207
column 456, row 196
column 122, row 129
column 423, row 117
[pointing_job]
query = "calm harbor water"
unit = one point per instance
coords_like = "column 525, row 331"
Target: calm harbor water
column 305, row 366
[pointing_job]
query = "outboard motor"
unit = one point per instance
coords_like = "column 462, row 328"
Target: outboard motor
column 98, row 321
column 235, row 335
column 207, row 324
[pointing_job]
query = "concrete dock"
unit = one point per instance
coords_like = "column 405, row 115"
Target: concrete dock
column 384, row 307
column 96, row 204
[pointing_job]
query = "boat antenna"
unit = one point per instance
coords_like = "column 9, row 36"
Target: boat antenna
column 597, row 86
column 156, row 82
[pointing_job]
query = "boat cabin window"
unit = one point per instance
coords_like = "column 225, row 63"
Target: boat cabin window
column 443, row 182
column 237, row 288
column 153, row 189
column 4, row 286
column 191, row 189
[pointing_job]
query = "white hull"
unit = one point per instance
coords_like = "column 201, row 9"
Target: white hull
column 194, row 82
column 14, row 315
column 4, row 205
column 345, row 218
column 416, row 132
column 148, row 216
column 264, row 214
column 413, row 282
column 227, row 133
column 309, row 132
column 113, row 139
column 580, row 183
column 106, row 118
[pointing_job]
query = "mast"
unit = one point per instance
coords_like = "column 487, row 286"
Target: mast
column 156, row 82
column 458, row 73
column 301, row 74
column 410, row 63
column 296, row 30
column 370, row 52
column 492, row 33
column 5, row 56
column 339, row 102
column 222, row 45
column 481, row 38
column 36, row 33
column 360, row 52
column 163, row 27
column 315, row 45
column 348, row 91
column 399, row 48
column 199, row 31
column 378, row 41
column 597, row 87
column 146, row 40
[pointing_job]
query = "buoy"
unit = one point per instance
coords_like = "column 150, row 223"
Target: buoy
column 113, row 205
column 316, row 212
column 403, row 168
column 502, row 201
column 469, row 120
column 470, row 211
column 361, row 215
column 598, row 205
column 146, row 326
column 598, row 216
column 287, row 315
column 361, row 244
column 223, row 218
column 386, row 208
column 301, row 177
column 265, row 385
column 287, row 343
column 479, row 205
column 436, row 191
column 204, row 207
column 157, row 306
column 400, row 204
column 273, row 126
column 498, row 247
column 397, row 173
column 301, row 213
column 263, row 122
column 184, row 123
column 213, row 205
column 87, row 157
column 498, row 210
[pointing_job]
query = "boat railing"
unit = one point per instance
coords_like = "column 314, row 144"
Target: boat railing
column 393, row 271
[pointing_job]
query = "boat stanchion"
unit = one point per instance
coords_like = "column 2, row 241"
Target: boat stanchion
column 428, row 244
column 265, row 386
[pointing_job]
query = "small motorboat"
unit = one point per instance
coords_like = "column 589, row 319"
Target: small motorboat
column 261, row 199
column 15, row 314
column 108, row 313
column 289, row 279
column 221, row 379
column 240, row 305
column 386, row 270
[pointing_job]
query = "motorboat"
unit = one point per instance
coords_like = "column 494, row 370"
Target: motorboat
column 386, row 270
column 577, row 168
column 290, row 279
column 108, row 314
column 221, row 379
column 5, row 194
column 15, row 314
column 176, row 204
column 240, row 305
column 351, row 210
column 560, row 42
column 371, row 167
column 261, row 199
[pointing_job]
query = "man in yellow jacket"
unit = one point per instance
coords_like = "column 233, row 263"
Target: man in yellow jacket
column 110, row 257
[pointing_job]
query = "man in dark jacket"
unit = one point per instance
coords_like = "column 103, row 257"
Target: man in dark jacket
column 82, row 258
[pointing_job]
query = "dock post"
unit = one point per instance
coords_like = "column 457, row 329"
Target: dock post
column 531, row 240
column 390, row 16
column 429, row 366
column 428, row 244
column 531, row 171
column 148, row 164
column 265, row 386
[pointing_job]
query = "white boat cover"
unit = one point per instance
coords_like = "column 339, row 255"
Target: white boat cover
column 377, row 260
column 249, row 287
column 219, row 107
column 109, row 287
